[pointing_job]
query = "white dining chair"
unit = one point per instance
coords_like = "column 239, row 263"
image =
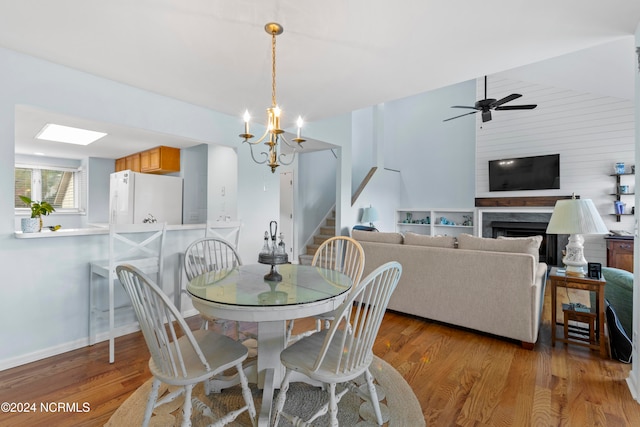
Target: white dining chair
column 141, row 245
column 210, row 254
column 225, row 230
column 344, row 351
column 193, row 358
column 340, row 253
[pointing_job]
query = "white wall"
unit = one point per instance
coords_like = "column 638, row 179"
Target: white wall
column 45, row 281
column 337, row 131
column 436, row 159
column 222, row 182
column 590, row 132
column 193, row 169
column 383, row 193
column 634, row 376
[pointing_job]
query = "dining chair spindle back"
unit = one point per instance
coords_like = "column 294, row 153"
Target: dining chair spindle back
column 180, row 357
column 340, row 253
column 344, row 351
column 210, row 254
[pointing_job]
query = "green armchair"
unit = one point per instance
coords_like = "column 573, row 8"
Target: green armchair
column 619, row 292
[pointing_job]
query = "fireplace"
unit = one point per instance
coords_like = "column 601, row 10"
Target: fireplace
column 548, row 247
column 523, row 222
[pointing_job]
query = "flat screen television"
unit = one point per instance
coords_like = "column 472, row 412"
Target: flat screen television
column 525, row 173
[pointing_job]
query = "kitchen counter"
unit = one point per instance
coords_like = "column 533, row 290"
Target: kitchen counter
column 90, row 231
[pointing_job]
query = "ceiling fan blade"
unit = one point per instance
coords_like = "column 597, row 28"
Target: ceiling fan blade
column 518, row 107
column 486, row 116
column 506, row 99
column 462, row 115
column 463, row 106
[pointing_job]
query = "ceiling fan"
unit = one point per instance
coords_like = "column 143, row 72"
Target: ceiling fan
column 487, row 104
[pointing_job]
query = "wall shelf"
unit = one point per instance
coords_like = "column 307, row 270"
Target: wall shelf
column 618, row 195
column 434, row 227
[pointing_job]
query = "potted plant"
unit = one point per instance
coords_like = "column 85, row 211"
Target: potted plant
column 34, row 224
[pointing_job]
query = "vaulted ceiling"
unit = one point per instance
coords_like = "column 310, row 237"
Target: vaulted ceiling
column 334, row 56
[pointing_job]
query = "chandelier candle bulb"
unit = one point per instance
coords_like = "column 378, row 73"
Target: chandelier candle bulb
column 247, row 117
column 299, row 122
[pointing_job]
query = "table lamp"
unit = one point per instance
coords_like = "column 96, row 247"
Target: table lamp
column 369, row 215
column 575, row 217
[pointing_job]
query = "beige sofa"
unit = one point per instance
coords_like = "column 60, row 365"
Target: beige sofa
column 490, row 285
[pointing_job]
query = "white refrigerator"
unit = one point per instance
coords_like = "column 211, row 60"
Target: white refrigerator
column 135, row 197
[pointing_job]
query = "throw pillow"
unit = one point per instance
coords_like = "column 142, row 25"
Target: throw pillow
column 434, row 241
column 372, row 236
column 525, row 245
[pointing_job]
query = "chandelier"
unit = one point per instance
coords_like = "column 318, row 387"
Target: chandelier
column 274, row 133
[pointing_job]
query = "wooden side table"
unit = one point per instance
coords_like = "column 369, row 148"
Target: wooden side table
column 576, row 333
column 558, row 279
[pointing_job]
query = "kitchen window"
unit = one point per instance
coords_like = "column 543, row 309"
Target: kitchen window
column 59, row 186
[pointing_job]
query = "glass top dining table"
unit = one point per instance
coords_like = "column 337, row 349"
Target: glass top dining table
column 242, row 294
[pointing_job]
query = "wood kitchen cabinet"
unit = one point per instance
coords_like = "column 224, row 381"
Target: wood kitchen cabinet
column 121, row 164
column 131, row 163
column 160, row 160
column 620, row 252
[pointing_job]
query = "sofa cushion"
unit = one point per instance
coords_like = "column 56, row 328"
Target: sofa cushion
column 433, row 241
column 524, row 245
column 373, row 236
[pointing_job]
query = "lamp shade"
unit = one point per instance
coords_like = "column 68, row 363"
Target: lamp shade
column 576, row 216
column 369, row 214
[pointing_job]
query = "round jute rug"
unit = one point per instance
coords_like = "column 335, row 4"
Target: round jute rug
column 399, row 405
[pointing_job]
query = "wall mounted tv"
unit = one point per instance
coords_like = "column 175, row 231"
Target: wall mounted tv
column 525, row 173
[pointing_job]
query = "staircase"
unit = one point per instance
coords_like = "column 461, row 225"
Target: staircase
column 325, row 232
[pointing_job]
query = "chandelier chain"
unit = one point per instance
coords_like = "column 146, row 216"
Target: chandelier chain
column 273, row 69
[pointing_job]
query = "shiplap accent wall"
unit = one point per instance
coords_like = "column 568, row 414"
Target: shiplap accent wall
column 590, row 132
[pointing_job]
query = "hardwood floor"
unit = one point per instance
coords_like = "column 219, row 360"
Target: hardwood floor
column 460, row 378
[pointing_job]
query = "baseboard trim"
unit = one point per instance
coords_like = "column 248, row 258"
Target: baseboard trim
column 64, row 347
column 74, row 345
column 631, row 383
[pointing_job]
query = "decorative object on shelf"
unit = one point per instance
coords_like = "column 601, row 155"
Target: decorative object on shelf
column 274, row 132
column 369, row 215
column 620, row 207
column 429, row 221
column 575, row 217
column 621, row 190
column 38, row 209
column 150, row 219
column 445, row 221
column 273, row 254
